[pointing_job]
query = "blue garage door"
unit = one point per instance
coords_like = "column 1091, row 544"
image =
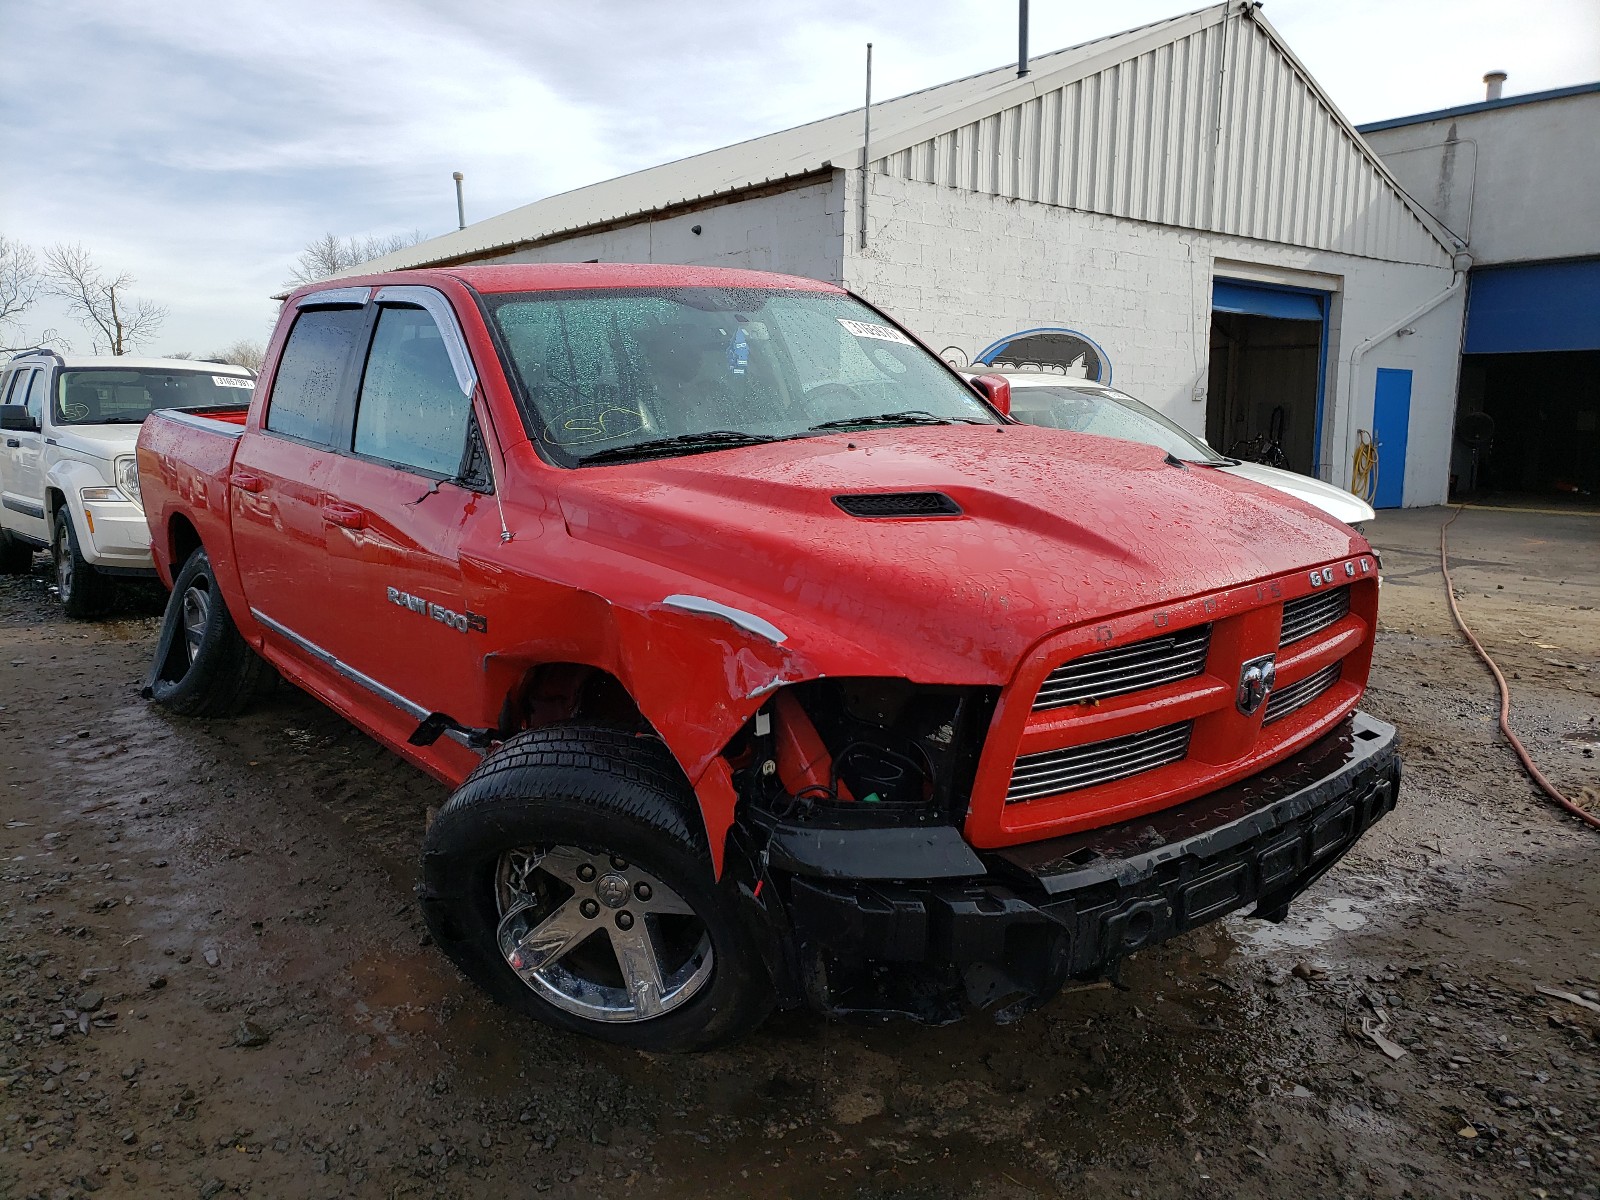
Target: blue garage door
column 1535, row 308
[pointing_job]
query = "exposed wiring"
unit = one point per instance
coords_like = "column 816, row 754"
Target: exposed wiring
column 1534, row 773
column 1364, row 467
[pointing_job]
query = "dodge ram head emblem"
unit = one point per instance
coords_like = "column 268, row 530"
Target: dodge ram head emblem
column 1255, row 683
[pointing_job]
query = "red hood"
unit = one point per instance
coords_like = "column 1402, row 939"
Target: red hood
column 1057, row 529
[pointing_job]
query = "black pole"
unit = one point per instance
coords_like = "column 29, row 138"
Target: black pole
column 1022, row 38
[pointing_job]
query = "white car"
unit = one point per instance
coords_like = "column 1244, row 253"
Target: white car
column 68, row 480
column 1084, row 406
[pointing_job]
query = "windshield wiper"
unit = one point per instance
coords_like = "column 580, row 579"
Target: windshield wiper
column 911, row 416
column 683, row 443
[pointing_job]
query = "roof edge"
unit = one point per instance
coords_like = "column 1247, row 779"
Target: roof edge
column 1462, row 110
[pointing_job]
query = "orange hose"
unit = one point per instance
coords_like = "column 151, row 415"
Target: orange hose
column 1534, row 773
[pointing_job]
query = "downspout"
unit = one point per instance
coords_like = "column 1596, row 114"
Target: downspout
column 1461, row 264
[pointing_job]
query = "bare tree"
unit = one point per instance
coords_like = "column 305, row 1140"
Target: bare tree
column 331, row 254
column 116, row 321
column 243, row 353
column 20, row 285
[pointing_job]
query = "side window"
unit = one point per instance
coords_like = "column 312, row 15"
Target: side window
column 35, row 400
column 305, row 392
column 411, row 411
column 26, row 388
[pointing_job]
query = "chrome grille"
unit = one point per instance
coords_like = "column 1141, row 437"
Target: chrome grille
column 1057, row 771
column 1297, row 695
column 1313, row 613
column 1146, row 664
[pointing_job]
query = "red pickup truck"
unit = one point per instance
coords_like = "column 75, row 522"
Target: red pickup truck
column 770, row 662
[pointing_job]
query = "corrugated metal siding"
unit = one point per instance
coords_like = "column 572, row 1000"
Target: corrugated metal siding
column 1217, row 131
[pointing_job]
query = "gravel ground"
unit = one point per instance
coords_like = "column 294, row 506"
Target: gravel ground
column 213, row 978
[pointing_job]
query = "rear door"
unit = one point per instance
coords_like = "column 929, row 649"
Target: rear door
column 284, row 476
column 23, row 495
column 413, row 490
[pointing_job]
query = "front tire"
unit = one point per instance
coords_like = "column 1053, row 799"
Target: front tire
column 85, row 593
column 569, row 878
column 207, row 670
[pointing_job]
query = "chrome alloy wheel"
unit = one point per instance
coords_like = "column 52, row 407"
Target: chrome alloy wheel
column 555, row 902
column 196, row 612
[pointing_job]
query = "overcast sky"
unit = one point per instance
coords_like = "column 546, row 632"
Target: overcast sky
column 200, row 146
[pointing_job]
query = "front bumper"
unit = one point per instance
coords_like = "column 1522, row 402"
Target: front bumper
column 1071, row 907
column 114, row 535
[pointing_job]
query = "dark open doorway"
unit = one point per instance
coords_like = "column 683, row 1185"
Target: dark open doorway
column 1528, row 425
column 1265, row 381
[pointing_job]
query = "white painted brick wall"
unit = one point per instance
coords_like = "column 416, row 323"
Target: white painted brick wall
column 965, row 269
column 798, row 232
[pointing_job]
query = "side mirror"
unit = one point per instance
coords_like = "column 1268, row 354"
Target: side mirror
column 17, row 417
column 996, row 389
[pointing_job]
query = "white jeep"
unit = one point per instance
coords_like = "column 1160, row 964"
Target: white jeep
column 68, row 478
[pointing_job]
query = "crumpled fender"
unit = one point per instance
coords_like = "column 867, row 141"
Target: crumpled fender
column 697, row 671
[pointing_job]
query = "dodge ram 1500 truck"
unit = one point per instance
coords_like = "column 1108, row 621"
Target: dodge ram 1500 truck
column 770, row 662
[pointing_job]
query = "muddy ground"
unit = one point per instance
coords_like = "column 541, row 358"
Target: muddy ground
column 213, row 978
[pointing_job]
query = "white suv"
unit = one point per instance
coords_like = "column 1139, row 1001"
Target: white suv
column 68, row 479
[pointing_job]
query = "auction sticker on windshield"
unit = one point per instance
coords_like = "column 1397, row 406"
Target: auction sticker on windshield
column 233, row 381
column 866, row 329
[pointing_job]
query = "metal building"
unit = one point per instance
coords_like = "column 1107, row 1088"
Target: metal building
column 1179, row 208
column 1517, row 179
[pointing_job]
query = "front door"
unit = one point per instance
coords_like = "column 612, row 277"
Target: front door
column 24, row 476
column 284, row 482
column 411, row 499
column 1391, row 425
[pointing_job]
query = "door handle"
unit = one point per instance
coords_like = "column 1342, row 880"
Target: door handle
column 247, row 482
column 13, row 443
column 344, row 516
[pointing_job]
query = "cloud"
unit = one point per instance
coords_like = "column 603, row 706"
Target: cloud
column 202, row 145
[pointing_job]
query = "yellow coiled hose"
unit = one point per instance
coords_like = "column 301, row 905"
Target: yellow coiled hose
column 1364, row 467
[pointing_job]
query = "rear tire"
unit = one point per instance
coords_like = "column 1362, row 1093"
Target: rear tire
column 16, row 556
column 209, row 670
column 542, row 858
column 85, row 593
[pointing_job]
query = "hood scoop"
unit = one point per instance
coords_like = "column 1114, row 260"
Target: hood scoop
column 898, row 504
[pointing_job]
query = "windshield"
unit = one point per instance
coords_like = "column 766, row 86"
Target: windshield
column 613, row 374
column 107, row 396
column 1095, row 408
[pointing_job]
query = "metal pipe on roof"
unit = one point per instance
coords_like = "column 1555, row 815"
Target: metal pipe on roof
column 1022, row 38
column 1495, row 85
column 461, row 206
column 866, row 146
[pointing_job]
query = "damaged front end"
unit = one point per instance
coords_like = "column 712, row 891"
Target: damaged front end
column 849, row 855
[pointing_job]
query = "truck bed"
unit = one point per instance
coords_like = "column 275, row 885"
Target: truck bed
column 185, row 459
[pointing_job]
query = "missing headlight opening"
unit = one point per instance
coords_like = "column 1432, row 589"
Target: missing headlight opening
column 887, row 750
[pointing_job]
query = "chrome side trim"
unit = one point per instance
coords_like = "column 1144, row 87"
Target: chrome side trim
column 220, row 428
column 408, row 707
column 345, row 295
column 744, row 620
column 437, row 307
